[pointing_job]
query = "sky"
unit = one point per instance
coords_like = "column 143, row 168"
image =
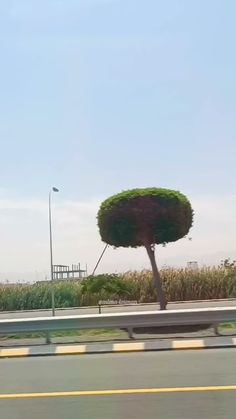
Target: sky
column 99, row 96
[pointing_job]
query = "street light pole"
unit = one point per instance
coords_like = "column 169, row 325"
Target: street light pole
column 51, row 251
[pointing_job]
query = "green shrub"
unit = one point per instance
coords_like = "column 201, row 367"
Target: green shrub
column 106, row 287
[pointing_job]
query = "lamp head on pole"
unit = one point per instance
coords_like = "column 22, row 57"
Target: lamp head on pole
column 55, row 189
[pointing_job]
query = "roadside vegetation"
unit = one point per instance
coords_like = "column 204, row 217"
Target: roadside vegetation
column 178, row 285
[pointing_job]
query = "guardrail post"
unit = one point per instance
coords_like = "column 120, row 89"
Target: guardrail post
column 130, row 332
column 48, row 338
column 216, row 330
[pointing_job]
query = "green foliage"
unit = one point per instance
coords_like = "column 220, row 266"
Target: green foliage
column 178, row 284
column 106, row 286
column 36, row 296
column 144, row 216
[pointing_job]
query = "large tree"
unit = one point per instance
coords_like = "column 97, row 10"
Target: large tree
column 145, row 217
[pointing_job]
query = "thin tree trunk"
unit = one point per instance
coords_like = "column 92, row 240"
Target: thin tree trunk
column 156, row 277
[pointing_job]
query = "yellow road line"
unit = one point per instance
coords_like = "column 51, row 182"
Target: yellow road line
column 114, row 392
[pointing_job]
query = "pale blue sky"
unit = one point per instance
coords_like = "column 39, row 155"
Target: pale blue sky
column 102, row 95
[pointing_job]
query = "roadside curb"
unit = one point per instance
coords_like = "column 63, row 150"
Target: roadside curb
column 122, row 347
column 214, row 300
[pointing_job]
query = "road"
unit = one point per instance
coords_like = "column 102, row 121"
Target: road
column 115, row 309
column 177, row 373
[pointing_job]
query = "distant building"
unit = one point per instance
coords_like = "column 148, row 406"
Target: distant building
column 61, row 272
column 193, row 265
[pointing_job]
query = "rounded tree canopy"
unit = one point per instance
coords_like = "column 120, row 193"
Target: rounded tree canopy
column 140, row 217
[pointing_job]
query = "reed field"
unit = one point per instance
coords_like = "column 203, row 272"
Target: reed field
column 179, row 285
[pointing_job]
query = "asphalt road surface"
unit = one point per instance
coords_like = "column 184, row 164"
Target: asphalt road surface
column 163, row 385
column 115, row 309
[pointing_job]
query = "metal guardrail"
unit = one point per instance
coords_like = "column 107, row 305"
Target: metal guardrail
column 129, row 321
